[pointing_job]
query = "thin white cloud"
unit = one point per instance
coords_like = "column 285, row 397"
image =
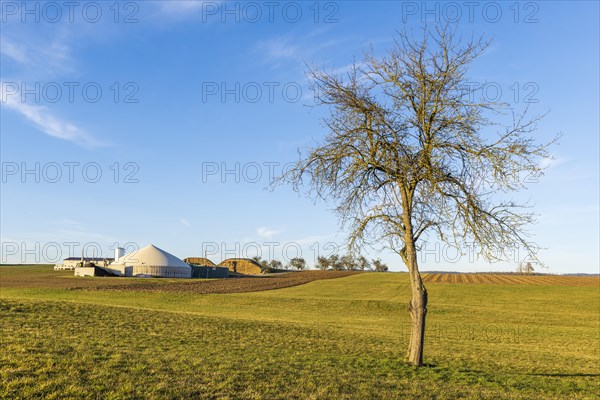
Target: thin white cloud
column 13, row 51
column 266, row 233
column 548, row 162
column 185, row 222
column 299, row 48
column 38, row 54
column 311, row 240
column 80, row 235
column 46, row 122
column 343, row 70
column 280, row 47
column 70, row 222
column 187, row 8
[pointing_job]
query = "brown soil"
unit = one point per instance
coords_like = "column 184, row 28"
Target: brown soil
column 500, row 279
column 38, row 276
column 231, row 285
column 43, row 276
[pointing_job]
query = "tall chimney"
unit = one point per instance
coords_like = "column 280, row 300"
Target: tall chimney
column 119, row 252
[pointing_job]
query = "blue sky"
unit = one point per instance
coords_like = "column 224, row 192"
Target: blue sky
column 163, row 98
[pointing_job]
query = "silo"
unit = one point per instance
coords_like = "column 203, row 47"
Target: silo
column 152, row 261
column 119, row 252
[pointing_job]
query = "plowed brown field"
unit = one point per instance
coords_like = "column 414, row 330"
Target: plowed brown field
column 500, row 279
column 42, row 276
column 232, row 285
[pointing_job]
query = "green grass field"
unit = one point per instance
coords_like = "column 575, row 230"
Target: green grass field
column 331, row 339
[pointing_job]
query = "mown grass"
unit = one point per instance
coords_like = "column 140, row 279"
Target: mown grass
column 335, row 339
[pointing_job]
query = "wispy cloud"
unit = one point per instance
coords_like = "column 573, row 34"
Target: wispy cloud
column 548, row 162
column 70, row 222
column 281, row 47
column 343, row 70
column 295, row 48
column 38, row 54
column 310, row 240
column 34, row 55
column 185, row 222
column 11, row 50
column 266, row 233
column 47, row 122
column 83, row 236
column 186, row 8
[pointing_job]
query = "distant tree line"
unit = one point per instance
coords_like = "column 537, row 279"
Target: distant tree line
column 333, row 262
column 350, row 263
column 268, row 266
column 525, row 268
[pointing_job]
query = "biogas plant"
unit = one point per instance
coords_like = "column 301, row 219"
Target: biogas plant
column 147, row 262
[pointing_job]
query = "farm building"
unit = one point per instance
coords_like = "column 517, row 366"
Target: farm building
column 72, row 262
column 245, row 266
column 93, row 271
column 200, row 261
column 202, row 267
column 151, row 261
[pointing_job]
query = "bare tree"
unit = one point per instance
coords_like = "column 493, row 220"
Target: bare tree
column 335, row 262
column 298, row 263
column 362, row 263
column 264, row 264
column 410, row 153
column 322, row 263
column 525, row 268
column 275, row 264
column 348, row 262
column 520, row 268
column 379, row 266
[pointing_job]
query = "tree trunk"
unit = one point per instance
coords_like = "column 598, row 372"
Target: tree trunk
column 417, row 308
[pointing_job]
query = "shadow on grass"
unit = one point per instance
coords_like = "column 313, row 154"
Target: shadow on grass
column 557, row 375
column 564, row 375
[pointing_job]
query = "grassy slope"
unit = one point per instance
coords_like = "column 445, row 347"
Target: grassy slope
column 342, row 338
